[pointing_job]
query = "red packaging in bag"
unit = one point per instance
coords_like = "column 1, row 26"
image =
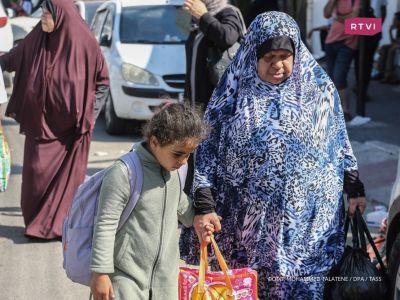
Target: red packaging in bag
column 200, row 284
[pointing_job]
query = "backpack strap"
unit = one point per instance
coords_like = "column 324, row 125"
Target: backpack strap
column 135, row 172
column 242, row 22
column 182, row 172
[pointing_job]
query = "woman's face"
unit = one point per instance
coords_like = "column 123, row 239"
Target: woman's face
column 172, row 156
column 275, row 66
column 47, row 21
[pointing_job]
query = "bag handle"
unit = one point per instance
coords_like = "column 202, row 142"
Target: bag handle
column 364, row 230
column 354, row 232
column 204, row 266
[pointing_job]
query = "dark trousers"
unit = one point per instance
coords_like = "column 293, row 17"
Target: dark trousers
column 338, row 62
column 371, row 45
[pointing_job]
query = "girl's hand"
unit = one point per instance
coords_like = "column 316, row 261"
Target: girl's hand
column 359, row 202
column 195, row 7
column 101, row 287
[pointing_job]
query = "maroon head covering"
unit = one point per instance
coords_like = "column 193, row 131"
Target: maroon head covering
column 56, row 76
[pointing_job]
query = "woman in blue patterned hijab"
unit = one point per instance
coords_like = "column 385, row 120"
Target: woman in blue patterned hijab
column 276, row 165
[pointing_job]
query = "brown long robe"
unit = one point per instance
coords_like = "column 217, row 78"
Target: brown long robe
column 53, row 101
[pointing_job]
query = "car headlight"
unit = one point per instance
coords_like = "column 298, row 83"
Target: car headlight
column 137, row 75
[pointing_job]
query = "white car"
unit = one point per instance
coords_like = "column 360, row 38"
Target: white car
column 22, row 25
column 6, row 36
column 143, row 42
column 87, row 9
column 6, row 39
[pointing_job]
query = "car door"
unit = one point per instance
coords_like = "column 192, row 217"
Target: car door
column 106, row 33
column 108, row 39
column 98, row 23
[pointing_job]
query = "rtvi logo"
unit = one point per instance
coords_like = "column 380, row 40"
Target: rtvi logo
column 363, row 26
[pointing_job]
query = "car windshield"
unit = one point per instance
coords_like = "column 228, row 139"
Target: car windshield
column 165, row 24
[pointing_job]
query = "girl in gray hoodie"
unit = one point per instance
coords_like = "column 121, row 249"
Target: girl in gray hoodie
column 141, row 260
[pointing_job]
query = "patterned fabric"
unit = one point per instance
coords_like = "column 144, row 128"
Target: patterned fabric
column 305, row 288
column 275, row 162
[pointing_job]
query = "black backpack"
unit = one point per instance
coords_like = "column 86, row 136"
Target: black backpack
column 218, row 60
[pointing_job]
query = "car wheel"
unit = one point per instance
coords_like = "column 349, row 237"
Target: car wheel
column 114, row 125
column 394, row 269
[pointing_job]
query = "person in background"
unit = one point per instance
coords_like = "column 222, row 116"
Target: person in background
column 387, row 54
column 377, row 10
column 260, row 6
column 61, row 80
column 141, row 260
column 215, row 24
column 22, row 8
column 276, row 165
column 339, row 47
column 27, row 6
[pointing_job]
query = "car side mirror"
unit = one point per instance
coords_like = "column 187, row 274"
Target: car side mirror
column 10, row 13
column 105, row 41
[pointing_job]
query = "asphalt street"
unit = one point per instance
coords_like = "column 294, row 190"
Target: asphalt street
column 32, row 269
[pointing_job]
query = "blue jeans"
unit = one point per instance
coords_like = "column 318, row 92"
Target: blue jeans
column 338, row 61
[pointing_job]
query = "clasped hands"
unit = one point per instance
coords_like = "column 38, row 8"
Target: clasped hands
column 206, row 225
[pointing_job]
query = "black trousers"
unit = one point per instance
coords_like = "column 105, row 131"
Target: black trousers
column 371, row 45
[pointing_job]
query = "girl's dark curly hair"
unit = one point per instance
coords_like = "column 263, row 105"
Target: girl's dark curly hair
column 175, row 122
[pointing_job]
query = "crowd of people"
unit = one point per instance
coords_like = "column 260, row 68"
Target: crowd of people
column 270, row 162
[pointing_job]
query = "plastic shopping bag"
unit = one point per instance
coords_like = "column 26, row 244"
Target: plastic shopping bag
column 359, row 277
column 199, row 284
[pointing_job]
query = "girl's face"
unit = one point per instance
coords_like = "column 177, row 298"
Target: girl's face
column 172, row 156
column 275, row 66
column 47, row 21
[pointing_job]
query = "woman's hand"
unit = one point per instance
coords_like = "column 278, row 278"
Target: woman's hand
column 195, row 7
column 101, row 287
column 359, row 202
column 205, row 225
column 208, row 231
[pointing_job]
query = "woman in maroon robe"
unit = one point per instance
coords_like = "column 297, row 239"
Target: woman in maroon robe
column 61, row 78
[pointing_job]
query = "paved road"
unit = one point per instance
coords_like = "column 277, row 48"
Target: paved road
column 32, row 270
